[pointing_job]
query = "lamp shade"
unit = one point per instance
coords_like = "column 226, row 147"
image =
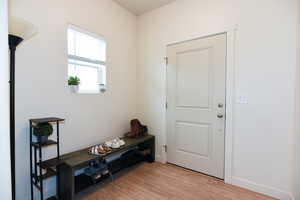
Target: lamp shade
column 21, row 28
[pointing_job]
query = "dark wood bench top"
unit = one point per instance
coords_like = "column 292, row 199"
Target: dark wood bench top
column 81, row 158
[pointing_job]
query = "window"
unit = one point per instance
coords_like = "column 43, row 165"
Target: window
column 86, row 59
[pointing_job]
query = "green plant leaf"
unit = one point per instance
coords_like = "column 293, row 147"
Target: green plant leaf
column 73, row 80
column 43, row 129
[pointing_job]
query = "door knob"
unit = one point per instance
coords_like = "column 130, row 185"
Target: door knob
column 220, row 116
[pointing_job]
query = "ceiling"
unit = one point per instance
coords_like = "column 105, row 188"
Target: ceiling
column 139, row 7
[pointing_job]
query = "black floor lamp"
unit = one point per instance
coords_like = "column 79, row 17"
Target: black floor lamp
column 14, row 41
column 19, row 30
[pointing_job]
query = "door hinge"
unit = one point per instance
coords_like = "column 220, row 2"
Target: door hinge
column 166, row 148
column 167, row 60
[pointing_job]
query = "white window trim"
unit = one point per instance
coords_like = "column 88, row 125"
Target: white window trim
column 94, row 35
column 87, row 60
column 98, row 62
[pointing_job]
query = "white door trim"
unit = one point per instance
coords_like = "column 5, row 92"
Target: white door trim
column 230, row 97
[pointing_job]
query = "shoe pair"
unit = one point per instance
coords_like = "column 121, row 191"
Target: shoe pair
column 115, row 143
column 137, row 129
column 100, row 150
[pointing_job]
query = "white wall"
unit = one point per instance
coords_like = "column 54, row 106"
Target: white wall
column 5, row 183
column 41, row 76
column 265, row 67
column 296, row 176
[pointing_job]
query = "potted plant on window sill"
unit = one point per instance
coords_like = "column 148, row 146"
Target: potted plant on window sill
column 42, row 131
column 73, row 83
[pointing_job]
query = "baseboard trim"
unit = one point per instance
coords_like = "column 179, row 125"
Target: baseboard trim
column 263, row 189
column 159, row 158
column 255, row 187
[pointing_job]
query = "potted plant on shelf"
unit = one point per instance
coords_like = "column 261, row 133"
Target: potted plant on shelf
column 73, row 83
column 42, row 131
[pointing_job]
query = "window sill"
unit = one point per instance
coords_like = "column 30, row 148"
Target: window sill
column 78, row 91
column 88, row 92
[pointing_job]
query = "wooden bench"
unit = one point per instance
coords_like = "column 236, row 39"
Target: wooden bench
column 69, row 183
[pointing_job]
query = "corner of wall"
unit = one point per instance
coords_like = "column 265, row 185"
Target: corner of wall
column 5, row 173
column 296, row 164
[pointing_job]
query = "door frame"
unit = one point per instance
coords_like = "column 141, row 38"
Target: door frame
column 231, row 40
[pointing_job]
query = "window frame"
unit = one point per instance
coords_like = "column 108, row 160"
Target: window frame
column 101, row 64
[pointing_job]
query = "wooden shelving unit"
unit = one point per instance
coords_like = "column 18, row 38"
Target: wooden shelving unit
column 37, row 165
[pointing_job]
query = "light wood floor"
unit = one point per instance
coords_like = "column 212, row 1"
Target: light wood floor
column 158, row 181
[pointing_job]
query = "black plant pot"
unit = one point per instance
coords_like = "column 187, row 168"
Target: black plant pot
column 42, row 139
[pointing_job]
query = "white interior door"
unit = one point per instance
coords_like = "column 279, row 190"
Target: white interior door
column 196, row 104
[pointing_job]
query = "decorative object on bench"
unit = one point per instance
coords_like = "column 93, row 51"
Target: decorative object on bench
column 42, row 131
column 73, row 83
column 137, row 129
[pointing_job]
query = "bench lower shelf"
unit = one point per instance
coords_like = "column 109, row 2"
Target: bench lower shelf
column 83, row 181
column 70, row 183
